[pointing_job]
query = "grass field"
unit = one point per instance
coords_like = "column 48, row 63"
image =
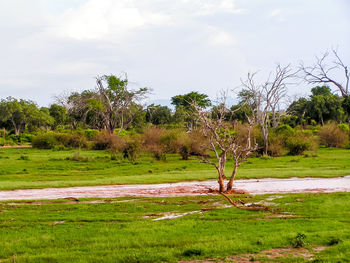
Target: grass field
column 124, row 231
column 31, row 168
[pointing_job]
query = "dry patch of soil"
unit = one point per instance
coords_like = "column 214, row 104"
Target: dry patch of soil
column 266, row 255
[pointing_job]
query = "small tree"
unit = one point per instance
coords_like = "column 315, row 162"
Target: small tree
column 225, row 141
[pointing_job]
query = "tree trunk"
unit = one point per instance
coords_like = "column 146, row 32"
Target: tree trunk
column 221, row 183
column 266, row 143
column 230, row 183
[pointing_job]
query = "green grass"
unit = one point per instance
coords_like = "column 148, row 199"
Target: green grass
column 32, row 168
column 114, row 231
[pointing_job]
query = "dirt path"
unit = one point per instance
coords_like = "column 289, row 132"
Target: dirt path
column 252, row 186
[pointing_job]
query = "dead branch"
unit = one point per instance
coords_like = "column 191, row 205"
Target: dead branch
column 321, row 73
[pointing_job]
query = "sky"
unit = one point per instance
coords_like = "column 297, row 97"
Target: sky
column 51, row 47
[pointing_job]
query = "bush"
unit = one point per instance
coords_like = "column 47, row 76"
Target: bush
column 170, row 140
column 276, row 144
column 23, row 158
column 131, row 150
column 344, row 127
column 21, row 138
column 198, row 144
column 284, row 129
column 77, row 157
column 298, row 144
column 192, row 252
column 71, row 140
column 4, row 141
column 106, row 141
column 152, row 141
column 299, row 241
column 45, row 141
column 332, row 136
column 90, row 134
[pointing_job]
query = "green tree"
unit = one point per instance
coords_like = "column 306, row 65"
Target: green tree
column 158, row 115
column 186, row 104
column 299, row 109
column 23, row 114
column 187, row 100
column 59, row 113
column 324, row 106
column 321, row 106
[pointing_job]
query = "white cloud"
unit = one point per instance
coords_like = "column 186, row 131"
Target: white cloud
column 223, row 38
column 116, row 20
column 275, row 12
column 172, row 46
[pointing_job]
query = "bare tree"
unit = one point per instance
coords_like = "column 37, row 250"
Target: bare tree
column 323, row 73
column 265, row 99
column 223, row 139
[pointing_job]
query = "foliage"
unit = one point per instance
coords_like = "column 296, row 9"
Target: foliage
column 185, row 107
column 49, row 140
column 320, row 107
column 59, row 114
column 344, row 127
column 44, row 141
column 158, row 115
column 23, row 114
column 299, row 241
column 284, row 129
column 130, row 151
column 187, row 100
column 300, row 143
column 152, row 141
column 107, row 141
column 332, row 136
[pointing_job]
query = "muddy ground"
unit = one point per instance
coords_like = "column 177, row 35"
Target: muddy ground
column 251, row 186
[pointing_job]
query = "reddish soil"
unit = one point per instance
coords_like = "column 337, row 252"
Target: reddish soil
column 266, row 255
column 252, row 186
column 15, row 146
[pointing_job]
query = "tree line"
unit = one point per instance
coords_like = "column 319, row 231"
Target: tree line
column 261, row 122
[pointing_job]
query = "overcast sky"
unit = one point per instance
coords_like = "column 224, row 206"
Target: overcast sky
column 172, row 46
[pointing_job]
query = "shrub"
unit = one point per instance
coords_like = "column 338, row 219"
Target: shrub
column 71, row 140
column 299, row 241
column 298, row 144
column 131, row 150
column 192, row 252
column 334, row 241
column 169, row 138
column 332, row 136
column 344, row 127
column 77, row 157
column 284, row 129
column 90, row 134
column 21, row 138
column 45, row 141
column 23, row 158
column 198, row 144
column 4, row 141
column 276, row 144
column 152, row 141
column 106, row 141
